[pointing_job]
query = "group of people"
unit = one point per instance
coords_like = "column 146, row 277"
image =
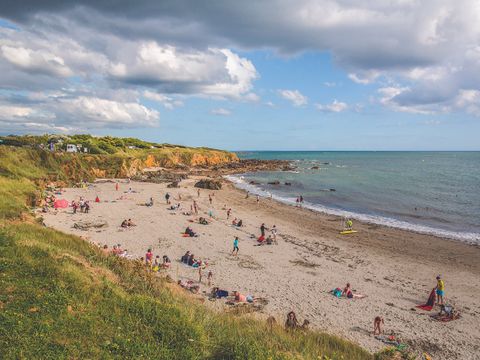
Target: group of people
column 271, row 238
column 116, row 250
column 156, row 264
column 83, row 205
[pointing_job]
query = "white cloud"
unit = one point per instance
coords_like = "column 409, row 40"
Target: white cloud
column 41, row 61
column 167, row 101
column 295, row 96
column 335, row 106
column 329, row 84
column 270, row 104
column 364, row 78
column 221, row 112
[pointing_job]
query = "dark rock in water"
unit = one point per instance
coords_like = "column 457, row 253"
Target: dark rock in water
column 254, row 183
column 315, row 167
column 173, row 184
column 333, row 190
column 276, row 182
column 326, row 163
column 288, row 183
column 209, row 184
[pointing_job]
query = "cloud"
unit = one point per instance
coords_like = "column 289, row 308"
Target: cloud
column 167, row 101
column 335, row 106
column 295, row 96
column 221, row 112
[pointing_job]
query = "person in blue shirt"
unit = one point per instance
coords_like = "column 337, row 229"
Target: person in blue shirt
column 235, row 246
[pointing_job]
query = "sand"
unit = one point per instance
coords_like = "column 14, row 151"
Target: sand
column 396, row 269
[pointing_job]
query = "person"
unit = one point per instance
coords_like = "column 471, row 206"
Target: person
column 269, row 240
column 347, row 291
column 97, row 199
column 198, row 192
column 74, row 206
column 258, row 199
column 82, row 204
column 202, row 221
column 167, row 198
column 105, row 249
column 235, row 246
column 124, row 224
column 195, row 207
column 239, row 297
column 184, row 258
column 190, row 232
column 234, row 222
column 87, row 207
column 116, row 186
column 247, row 195
column 191, row 260
column 240, row 223
column 229, row 211
column 166, row 262
column 297, row 202
column 440, row 290
column 149, row 257
column 301, row 200
column 291, row 323
column 130, row 223
column 210, row 199
column 348, row 224
column 274, row 234
column 150, row 202
column 156, row 263
column 209, row 277
column 377, row 325
column 262, row 229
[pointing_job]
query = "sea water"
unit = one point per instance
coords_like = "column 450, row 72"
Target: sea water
column 429, row 192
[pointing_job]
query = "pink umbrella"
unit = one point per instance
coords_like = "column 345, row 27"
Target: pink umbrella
column 60, row 204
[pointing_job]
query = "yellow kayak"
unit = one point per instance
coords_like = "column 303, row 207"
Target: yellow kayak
column 345, row 232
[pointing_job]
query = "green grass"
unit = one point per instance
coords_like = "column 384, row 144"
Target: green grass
column 61, row 298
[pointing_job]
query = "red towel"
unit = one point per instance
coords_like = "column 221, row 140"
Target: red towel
column 430, row 302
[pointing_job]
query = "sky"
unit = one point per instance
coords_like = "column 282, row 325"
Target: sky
column 254, row 75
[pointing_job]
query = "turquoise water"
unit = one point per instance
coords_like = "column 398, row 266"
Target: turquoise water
column 430, row 192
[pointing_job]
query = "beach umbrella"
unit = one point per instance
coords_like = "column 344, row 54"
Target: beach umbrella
column 60, row 204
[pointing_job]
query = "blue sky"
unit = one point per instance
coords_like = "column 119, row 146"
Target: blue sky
column 325, row 80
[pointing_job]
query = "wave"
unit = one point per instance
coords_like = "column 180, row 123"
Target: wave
column 468, row 237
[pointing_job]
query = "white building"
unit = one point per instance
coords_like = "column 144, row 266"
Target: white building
column 72, row 148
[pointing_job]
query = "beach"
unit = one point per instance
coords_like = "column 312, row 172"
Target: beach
column 394, row 268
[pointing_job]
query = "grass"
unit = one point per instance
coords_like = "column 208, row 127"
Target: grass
column 61, row 298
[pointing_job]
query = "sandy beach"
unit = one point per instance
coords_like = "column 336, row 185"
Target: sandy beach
column 395, row 269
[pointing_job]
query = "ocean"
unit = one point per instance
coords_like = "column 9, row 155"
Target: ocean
column 428, row 192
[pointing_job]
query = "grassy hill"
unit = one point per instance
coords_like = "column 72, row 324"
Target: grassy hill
column 61, row 298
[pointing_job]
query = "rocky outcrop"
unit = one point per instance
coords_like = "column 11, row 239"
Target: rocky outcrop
column 208, row 184
column 86, row 225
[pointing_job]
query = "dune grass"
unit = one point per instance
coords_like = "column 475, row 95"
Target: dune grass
column 61, row 298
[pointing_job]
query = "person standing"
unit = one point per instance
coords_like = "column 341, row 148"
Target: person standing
column 274, row 234
column 262, row 230
column 229, row 211
column 440, row 290
column 198, row 192
column 235, row 246
column 167, row 198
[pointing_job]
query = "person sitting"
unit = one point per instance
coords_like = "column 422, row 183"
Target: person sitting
column 105, row 249
column 234, row 222
column 189, row 285
column 190, row 232
column 166, row 262
column 240, row 223
column 305, row 325
column 291, row 323
column 347, row 291
column 203, row 221
column 191, row 260
column 130, row 223
column 149, row 203
column 269, row 240
column 124, row 224
column 156, row 263
column 184, row 258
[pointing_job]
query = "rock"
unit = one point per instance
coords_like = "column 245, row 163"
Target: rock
column 209, row 184
column 85, row 225
column 276, row 182
column 288, row 183
column 315, row 167
column 254, row 183
column 173, row 184
column 333, row 190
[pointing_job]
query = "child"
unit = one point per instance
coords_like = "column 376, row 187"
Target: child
column 209, row 277
column 235, row 246
column 440, row 289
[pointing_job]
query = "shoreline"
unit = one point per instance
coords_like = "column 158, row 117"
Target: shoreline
column 467, row 237
column 394, row 268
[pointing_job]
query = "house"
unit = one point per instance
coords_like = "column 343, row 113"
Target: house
column 72, row 148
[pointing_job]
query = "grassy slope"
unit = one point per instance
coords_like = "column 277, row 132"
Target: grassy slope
column 61, row 298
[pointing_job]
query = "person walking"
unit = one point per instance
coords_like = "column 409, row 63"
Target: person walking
column 235, row 246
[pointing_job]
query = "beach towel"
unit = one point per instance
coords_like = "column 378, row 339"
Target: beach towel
column 60, row 204
column 430, row 302
column 337, row 292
